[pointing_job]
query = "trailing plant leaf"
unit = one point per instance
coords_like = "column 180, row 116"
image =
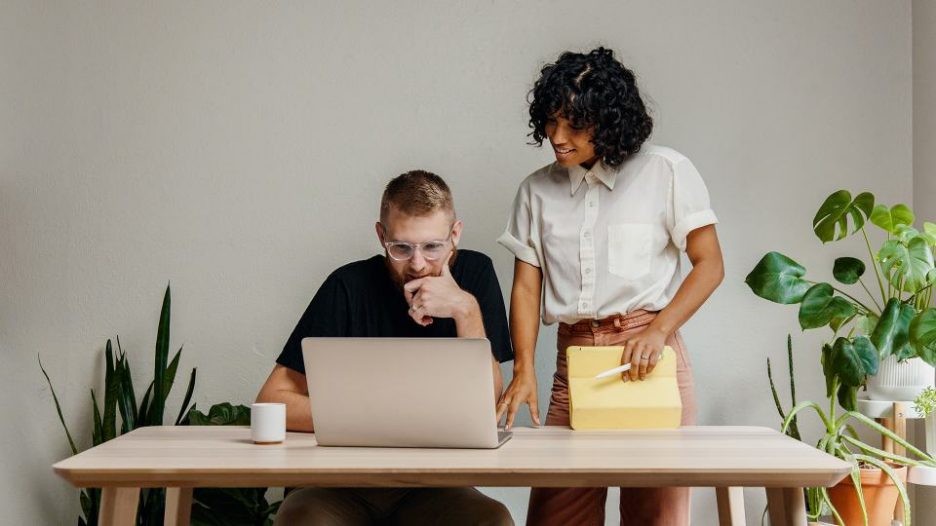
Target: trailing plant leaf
column 893, row 329
column 890, row 218
column 778, row 278
column 891, row 474
column 831, row 220
column 820, row 306
column 848, row 270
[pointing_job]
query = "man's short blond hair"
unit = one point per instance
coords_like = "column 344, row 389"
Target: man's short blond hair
column 416, row 193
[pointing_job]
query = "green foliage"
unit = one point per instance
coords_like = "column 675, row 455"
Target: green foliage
column 905, row 273
column 925, row 403
column 120, row 399
column 840, row 439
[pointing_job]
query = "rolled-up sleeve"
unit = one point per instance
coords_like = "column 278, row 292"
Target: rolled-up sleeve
column 690, row 207
column 521, row 236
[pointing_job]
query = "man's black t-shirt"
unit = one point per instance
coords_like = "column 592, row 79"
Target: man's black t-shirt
column 361, row 300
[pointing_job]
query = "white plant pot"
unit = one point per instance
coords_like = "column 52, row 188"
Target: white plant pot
column 900, row 381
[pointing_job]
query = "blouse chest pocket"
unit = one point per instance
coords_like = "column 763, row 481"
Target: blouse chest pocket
column 629, row 249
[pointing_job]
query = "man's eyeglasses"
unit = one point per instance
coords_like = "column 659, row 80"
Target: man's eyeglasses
column 431, row 250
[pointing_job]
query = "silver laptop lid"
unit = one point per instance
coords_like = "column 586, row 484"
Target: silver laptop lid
column 401, row 392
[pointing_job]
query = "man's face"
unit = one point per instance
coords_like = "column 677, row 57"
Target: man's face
column 436, row 227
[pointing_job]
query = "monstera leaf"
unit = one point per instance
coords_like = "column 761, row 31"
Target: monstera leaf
column 890, row 218
column 848, row 270
column 906, row 266
column 831, row 220
column 923, row 335
column 893, row 330
column 779, row 279
column 820, row 307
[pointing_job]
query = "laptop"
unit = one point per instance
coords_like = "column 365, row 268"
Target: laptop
column 402, row 392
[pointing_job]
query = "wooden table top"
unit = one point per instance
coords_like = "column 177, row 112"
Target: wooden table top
column 224, row 456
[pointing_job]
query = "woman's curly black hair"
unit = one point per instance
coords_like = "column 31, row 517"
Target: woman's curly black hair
column 594, row 91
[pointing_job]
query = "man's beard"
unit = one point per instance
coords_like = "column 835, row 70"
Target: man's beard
column 400, row 279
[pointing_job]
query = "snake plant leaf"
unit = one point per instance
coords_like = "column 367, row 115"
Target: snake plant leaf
column 890, row 218
column 820, row 306
column 923, row 335
column 906, row 266
column 778, row 278
column 831, row 220
column 893, row 329
column 126, row 398
column 97, row 433
column 111, row 394
column 188, row 398
column 848, row 270
column 157, row 409
column 143, row 414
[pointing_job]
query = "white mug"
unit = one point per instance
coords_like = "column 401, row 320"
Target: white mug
column 268, row 423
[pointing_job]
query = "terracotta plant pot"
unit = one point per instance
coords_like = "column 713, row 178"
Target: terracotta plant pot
column 880, row 495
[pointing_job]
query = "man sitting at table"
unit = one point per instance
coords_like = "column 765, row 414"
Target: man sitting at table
column 422, row 286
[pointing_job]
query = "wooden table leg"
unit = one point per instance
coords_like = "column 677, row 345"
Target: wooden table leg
column 118, row 506
column 787, row 506
column 178, row 506
column 730, row 506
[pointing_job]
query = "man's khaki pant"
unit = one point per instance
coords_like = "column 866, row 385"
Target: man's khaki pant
column 396, row 506
column 586, row 506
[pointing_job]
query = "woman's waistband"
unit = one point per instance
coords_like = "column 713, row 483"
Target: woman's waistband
column 631, row 320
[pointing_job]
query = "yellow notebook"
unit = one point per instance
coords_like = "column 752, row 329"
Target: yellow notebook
column 611, row 403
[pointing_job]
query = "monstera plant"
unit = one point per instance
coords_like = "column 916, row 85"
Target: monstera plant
column 895, row 319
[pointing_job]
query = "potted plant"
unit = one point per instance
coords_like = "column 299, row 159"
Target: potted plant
column 878, row 478
column 211, row 506
column 886, row 340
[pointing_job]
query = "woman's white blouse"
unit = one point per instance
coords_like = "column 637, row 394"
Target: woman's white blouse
column 608, row 240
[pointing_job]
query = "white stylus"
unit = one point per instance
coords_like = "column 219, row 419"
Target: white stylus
column 612, row 372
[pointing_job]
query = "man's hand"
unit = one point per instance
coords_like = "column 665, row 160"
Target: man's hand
column 437, row 297
column 522, row 389
column 643, row 352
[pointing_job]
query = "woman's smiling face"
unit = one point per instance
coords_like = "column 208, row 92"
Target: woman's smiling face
column 572, row 145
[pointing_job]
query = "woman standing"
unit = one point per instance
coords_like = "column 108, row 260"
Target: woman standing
column 597, row 237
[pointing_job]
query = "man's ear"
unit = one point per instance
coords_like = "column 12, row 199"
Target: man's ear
column 380, row 232
column 456, row 232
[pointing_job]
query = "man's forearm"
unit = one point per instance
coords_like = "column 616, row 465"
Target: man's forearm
column 298, row 408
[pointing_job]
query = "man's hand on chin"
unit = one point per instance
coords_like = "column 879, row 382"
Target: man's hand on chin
column 438, row 297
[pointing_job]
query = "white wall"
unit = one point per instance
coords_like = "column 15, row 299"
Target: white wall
column 239, row 150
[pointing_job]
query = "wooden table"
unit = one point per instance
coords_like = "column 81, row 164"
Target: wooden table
column 727, row 458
